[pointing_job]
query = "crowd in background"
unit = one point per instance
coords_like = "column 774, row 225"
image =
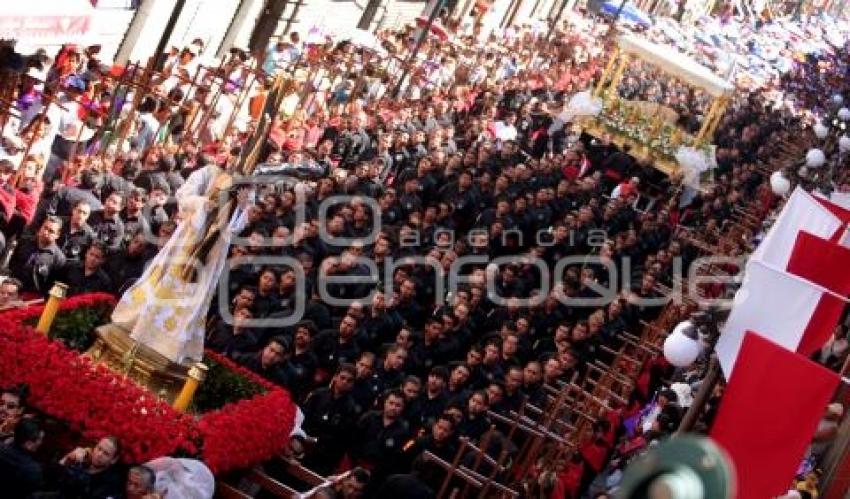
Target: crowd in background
column 469, row 159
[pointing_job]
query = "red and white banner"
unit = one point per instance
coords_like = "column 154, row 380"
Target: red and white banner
column 776, row 304
column 802, row 211
column 796, row 306
column 769, row 413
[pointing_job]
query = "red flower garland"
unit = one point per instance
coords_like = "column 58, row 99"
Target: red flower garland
column 249, row 431
column 99, row 402
column 90, row 300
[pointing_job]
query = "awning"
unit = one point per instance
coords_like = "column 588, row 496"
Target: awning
column 675, row 63
column 45, row 22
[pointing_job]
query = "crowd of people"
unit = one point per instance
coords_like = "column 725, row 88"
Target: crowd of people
column 467, row 162
column 83, row 472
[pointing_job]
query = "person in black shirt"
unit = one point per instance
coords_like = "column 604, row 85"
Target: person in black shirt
column 434, row 349
column 232, row 339
column 20, row 474
column 37, row 262
column 107, row 225
column 435, row 400
column 134, row 217
column 128, row 265
column 365, row 390
column 382, row 435
column 441, row 441
column 475, row 423
column 88, row 276
column 458, row 387
column 532, row 379
column 389, row 374
column 267, row 300
column 329, row 416
column 304, row 362
column 93, row 473
column 513, row 398
column 337, row 347
column 77, row 234
column 272, row 362
column 67, row 196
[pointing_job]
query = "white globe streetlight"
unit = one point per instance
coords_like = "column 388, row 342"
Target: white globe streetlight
column 844, row 143
column 844, row 114
column 821, row 131
column 837, row 99
column 682, row 346
column 815, row 158
column 779, row 184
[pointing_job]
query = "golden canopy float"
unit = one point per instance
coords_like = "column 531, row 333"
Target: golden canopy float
column 651, row 129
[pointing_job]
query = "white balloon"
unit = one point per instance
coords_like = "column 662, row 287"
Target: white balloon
column 844, row 143
column 844, row 114
column 821, row 131
column 779, row 184
column 680, row 350
column 815, row 158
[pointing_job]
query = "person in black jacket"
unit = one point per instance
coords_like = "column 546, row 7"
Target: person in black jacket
column 88, row 276
column 20, row 474
column 329, row 416
column 272, row 362
column 38, row 261
column 93, row 473
column 233, row 338
column 77, row 234
column 381, row 436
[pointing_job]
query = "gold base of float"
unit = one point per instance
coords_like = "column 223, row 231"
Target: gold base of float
column 640, row 151
column 115, row 349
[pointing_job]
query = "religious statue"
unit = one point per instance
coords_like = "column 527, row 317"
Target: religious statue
column 164, row 312
column 166, row 308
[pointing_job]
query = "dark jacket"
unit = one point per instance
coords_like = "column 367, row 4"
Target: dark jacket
column 20, row 474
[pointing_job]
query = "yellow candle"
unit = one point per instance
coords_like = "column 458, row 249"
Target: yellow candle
column 48, row 315
column 196, row 376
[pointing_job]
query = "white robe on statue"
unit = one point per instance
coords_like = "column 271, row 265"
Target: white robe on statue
column 161, row 309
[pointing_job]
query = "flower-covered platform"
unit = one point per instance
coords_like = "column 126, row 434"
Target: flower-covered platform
column 237, row 418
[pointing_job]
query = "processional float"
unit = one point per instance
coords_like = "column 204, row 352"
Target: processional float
column 651, row 129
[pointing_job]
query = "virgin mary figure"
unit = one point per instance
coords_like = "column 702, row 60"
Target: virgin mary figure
column 166, row 308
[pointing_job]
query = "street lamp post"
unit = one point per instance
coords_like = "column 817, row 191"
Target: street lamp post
column 619, row 11
column 821, row 169
column 411, row 59
column 682, row 348
column 166, row 34
column 556, row 20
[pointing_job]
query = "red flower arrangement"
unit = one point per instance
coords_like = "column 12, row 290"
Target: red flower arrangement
column 251, row 430
column 97, row 402
column 90, row 300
